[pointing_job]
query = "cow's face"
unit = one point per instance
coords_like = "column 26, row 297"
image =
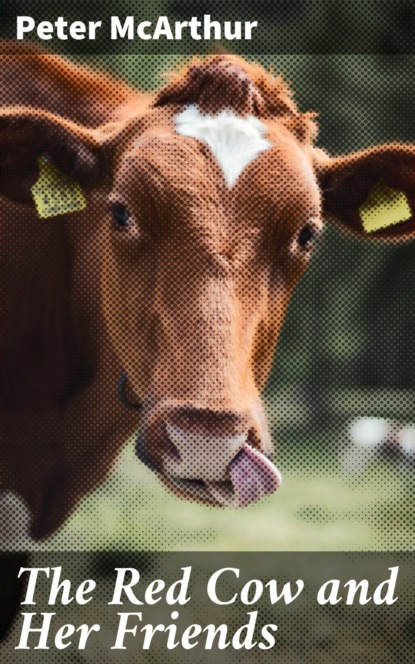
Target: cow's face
column 210, row 222
column 202, row 259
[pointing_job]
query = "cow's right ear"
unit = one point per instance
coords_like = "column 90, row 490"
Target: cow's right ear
column 371, row 192
column 26, row 135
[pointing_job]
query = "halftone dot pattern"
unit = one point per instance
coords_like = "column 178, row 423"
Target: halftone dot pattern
column 305, row 630
column 169, row 292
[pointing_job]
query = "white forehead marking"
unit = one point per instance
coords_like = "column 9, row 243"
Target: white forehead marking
column 234, row 141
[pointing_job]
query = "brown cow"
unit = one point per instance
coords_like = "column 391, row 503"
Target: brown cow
column 29, row 76
column 43, row 289
column 48, row 82
column 202, row 214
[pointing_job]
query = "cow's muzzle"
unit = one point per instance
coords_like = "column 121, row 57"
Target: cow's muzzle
column 211, row 457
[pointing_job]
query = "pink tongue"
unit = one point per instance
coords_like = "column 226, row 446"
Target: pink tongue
column 253, row 476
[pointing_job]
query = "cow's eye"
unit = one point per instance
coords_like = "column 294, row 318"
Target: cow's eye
column 306, row 236
column 120, row 215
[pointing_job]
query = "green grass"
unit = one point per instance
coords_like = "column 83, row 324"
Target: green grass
column 315, row 509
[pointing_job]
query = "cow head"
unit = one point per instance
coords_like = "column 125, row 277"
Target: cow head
column 214, row 202
column 214, row 209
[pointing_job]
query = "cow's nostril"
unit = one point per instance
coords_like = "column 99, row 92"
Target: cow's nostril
column 226, row 470
column 199, row 456
column 209, row 423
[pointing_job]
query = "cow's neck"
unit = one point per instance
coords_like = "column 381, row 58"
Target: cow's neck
column 40, row 355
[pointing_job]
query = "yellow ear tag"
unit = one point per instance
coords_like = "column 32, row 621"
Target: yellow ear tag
column 384, row 207
column 54, row 193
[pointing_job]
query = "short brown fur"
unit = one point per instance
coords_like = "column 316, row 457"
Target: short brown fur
column 188, row 300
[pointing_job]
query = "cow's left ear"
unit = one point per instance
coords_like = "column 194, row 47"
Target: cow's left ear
column 371, row 192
